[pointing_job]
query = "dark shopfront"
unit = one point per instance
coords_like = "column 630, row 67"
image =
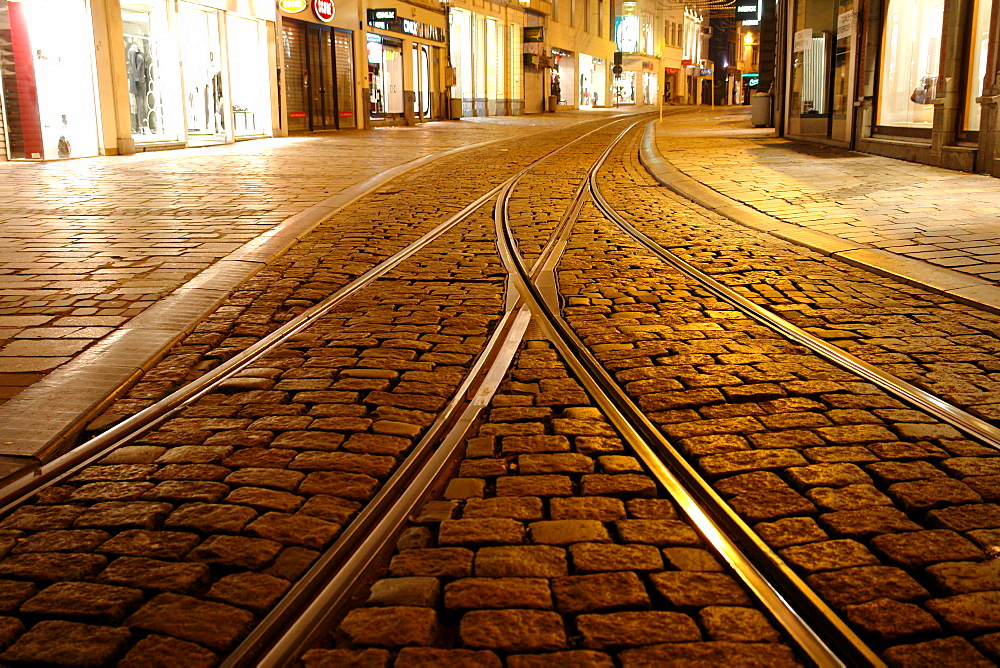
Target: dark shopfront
column 319, row 76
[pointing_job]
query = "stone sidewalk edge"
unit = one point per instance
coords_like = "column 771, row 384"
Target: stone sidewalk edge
column 956, row 285
column 37, row 422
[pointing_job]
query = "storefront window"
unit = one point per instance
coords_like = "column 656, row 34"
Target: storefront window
column 978, row 50
column 151, row 62
column 48, row 79
column 593, row 80
column 385, row 74
column 204, row 90
column 563, row 76
column 625, row 88
column 911, row 48
column 250, row 90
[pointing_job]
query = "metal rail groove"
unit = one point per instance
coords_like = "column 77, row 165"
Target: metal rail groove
column 817, row 630
column 970, row 425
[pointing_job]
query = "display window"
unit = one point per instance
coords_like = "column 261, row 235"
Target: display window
column 911, row 50
column 564, row 76
column 979, row 43
column 250, row 90
column 421, row 80
column 624, row 88
column 385, row 75
column 204, row 89
column 46, row 61
column 593, row 81
column 650, row 85
column 153, row 70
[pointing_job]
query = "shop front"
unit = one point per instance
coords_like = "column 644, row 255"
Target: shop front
column 563, row 85
column 48, row 80
column 405, row 51
column 318, row 66
column 593, row 81
column 197, row 74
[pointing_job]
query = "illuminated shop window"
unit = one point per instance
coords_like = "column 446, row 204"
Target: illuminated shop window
column 911, row 49
column 153, row 70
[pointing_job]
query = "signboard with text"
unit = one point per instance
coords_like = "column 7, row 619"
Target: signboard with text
column 747, row 10
column 323, row 9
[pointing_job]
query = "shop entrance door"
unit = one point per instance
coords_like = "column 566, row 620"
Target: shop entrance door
column 385, row 76
column 319, row 75
column 321, row 92
column 205, row 95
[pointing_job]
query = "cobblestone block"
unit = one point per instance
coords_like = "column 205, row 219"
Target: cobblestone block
column 434, row 512
column 986, row 486
column 923, row 495
column 855, row 433
column 859, row 585
column 651, row 509
column 192, row 472
column 378, row 444
column 737, row 624
column 900, row 450
column 953, row 651
column 376, row 466
column 601, row 509
column 528, row 444
column 891, row 472
column 966, row 518
column 831, row 454
column 513, row 630
column 330, row 508
column 685, row 399
column 123, row 515
column 977, row 612
column 238, row 551
column 264, row 499
column 42, row 518
column 308, row 440
column 454, row 562
column 523, row 508
column 771, row 504
column 828, row 475
column 210, row 518
column 195, row 454
column 566, row 532
column 739, row 425
column 749, row 483
column 267, row 458
column 713, row 444
column 60, row 643
column 597, row 445
column 630, row 629
column 971, row 466
column 867, row 522
column 256, row 592
column 535, row 485
column 422, row 657
column 521, row 561
column 850, row 497
column 829, row 555
column 661, row 533
column 270, row 478
column 134, row 454
column 145, row 573
column 691, row 559
column 80, row 540
column 473, row 593
column 923, row 548
column 187, row 490
column 698, row 589
column 164, row 651
column 52, row 566
column 568, row 462
column 707, row 654
column 98, row 602
column 291, row 563
column 109, row 491
column 790, row 531
column 482, row 468
column 394, row 626
column 13, row 593
column 796, row 420
column 418, row 591
column 176, row 437
column 891, row 620
column 597, row 557
column 354, row 486
column 602, row 591
column 753, row 460
column 171, row 545
column 481, row 531
column 797, row 439
column 301, row 530
column 213, row 625
column 625, row 484
column 964, row 577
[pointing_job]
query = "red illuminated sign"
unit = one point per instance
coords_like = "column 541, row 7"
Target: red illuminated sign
column 323, row 9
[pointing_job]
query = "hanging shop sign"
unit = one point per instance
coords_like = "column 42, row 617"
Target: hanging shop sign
column 324, row 10
column 706, row 71
column 293, row 6
column 533, row 34
column 747, row 11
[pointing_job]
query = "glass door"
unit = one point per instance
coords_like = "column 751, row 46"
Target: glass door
column 204, row 81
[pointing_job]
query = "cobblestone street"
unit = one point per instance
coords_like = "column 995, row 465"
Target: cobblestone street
column 549, row 539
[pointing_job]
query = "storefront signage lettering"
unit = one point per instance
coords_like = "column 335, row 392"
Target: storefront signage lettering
column 751, row 80
column 706, row 71
column 388, row 20
column 323, row 9
column 410, row 26
column 292, row 6
column 533, row 34
column 381, row 14
column 670, row 70
column 803, row 40
column 845, row 24
column 747, row 11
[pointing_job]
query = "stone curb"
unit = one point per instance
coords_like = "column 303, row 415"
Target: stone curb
column 956, row 285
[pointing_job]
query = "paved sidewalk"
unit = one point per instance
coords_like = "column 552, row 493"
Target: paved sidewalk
column 104, row 262
column 926, row 226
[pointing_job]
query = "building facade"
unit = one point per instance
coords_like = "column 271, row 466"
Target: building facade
column 910, row 79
